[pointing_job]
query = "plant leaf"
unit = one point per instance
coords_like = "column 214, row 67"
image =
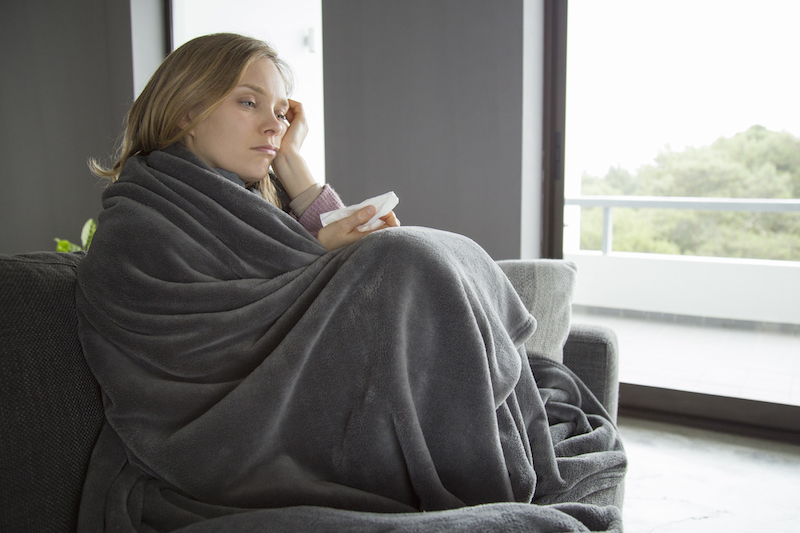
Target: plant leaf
column 87, row 233
column 63, row 245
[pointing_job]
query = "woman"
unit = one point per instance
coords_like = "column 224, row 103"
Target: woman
column 252, row 362
column 234, row 118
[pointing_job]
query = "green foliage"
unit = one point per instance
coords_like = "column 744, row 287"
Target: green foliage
column 757, row 163
column 87, row 233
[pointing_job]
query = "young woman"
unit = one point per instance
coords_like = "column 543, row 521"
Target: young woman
column 262, row 373
column 237, row 118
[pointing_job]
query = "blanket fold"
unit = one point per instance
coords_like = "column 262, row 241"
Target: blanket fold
column 251, row 378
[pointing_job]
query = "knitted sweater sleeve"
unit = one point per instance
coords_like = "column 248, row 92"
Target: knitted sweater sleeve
column 327, row 200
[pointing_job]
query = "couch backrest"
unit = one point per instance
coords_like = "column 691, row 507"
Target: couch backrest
column 546, row 287
column 51, row 410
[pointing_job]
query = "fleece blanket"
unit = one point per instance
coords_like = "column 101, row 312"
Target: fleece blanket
column 254, row 381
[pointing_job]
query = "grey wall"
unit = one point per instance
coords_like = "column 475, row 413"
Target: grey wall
column 422, row 97
column 65, row 86
column 425, row 98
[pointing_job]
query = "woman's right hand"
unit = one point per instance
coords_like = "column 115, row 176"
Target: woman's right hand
column 349, row 229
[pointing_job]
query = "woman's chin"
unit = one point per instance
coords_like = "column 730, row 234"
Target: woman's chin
column 254, row 177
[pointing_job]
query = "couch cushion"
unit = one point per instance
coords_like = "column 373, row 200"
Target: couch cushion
column 50, row 406
column 546, row 287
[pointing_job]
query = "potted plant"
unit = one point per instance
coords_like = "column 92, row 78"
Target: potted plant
column 63, row 245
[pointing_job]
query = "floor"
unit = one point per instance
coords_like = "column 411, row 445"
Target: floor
column 759, row 364
column 694, row 481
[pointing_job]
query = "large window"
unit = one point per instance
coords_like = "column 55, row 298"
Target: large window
column 688, row 99
column 682, row 178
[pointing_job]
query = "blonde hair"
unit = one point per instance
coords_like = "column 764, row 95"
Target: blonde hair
column 191, row 82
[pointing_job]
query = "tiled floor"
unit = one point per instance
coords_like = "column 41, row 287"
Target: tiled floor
column 683, row 480
column 693, row 481
column 742, row 363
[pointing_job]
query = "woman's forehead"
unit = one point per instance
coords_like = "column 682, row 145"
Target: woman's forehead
column 263, row 76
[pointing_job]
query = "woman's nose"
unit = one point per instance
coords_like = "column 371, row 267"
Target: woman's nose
column 274, row 124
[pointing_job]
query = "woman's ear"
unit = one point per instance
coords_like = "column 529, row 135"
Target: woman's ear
column 185, row 121
column 188, row 138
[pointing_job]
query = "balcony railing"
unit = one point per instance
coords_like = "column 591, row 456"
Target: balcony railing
column 671, row 202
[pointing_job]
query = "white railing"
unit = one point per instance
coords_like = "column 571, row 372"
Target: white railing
column 672, row 202
column 752, row 290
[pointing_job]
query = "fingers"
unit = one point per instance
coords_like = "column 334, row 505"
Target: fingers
column 364, row 228
column 298, row 128
column 295, row 110
column 360, row 217
column 391, row 220
column 344, row 231
column 353, row 228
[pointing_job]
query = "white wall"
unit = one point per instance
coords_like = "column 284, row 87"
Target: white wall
column 532, row 117
column 740, row 289
column 293, row 27
column 148, row 40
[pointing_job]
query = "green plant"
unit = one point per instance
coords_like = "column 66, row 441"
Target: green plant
column 63, row 245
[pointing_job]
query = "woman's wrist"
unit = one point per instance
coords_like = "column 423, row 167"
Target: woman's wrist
column 293, row 173
column 303, row 201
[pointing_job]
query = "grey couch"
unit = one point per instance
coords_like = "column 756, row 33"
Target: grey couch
column 51, row 410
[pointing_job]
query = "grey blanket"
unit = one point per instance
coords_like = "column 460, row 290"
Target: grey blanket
column 253, row 381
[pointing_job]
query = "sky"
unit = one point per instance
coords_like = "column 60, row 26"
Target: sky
column 647, row 76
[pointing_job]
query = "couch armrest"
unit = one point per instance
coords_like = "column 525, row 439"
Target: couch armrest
column 592, row 353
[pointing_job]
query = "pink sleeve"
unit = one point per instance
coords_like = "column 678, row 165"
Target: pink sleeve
column 327, row 200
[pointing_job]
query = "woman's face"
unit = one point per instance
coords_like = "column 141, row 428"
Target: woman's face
column 244, row 133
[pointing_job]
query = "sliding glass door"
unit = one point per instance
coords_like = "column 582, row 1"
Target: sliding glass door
column 682, row 185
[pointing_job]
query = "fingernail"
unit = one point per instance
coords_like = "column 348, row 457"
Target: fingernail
column 369, row 227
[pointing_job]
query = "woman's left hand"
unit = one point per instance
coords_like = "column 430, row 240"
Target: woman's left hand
column 289, row 166
column 351, row 229
column 297, row 130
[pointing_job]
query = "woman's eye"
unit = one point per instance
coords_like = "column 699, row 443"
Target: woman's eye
column 248, row 103
column 281, row 116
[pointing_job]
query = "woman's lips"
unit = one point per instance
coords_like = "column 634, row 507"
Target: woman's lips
column 267, row 149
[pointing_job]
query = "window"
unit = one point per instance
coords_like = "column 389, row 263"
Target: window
column 688, row 99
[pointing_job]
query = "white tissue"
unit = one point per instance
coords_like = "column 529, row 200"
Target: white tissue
column 383, row 205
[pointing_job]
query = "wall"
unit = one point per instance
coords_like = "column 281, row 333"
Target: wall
column 149, row 39
column 66, row 84
column 429, row 99
column 426, row 99
column 749, row 290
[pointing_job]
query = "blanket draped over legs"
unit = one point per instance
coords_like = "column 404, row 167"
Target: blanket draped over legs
column 253, row 381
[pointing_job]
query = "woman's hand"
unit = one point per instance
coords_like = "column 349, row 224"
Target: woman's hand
column 289, row 166
column 298, row 128
column 351, row 229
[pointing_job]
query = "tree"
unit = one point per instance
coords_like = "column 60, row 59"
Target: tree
column 757, row 163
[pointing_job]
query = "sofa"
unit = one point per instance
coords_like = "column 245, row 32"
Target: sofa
column 51, row 410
